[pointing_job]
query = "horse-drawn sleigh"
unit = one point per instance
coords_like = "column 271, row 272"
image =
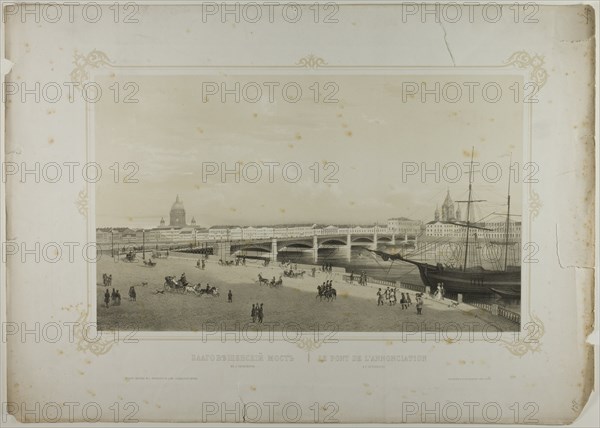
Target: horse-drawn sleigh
column 273, row 283
column 130, row 257
column 293, row 274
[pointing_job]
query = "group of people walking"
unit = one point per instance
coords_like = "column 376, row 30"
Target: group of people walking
column 362, row 280
column 390, row 295
column 114, row 297
column 440, row 292
column 327, row 267
column 257, row 313
column 107, row 279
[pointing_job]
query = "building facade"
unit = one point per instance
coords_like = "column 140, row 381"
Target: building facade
column 404, row 226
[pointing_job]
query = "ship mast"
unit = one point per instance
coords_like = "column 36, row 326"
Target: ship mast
column 468, row 210
column 507, row 218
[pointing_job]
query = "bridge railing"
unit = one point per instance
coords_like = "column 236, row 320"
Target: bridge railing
column 509, row 315
column 496, row 310
column 381, row 282
column 420, row 288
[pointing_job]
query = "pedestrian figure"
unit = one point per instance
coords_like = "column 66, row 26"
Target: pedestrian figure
column 351, row 277
column 403, row 301
column 379, row 298
column 113, row 296
column 408, row 301
column 229, row 297
column 419, row 305
column 106, row 298
column 253, row 313
column 118, row 298
column 261, row 314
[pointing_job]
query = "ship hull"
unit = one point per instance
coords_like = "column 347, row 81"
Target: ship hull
column 470, row 281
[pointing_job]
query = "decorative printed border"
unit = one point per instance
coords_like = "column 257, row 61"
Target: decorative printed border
column 97, row 347
column 535, row 63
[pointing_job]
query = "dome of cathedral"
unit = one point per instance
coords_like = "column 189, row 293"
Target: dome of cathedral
column 177, row 205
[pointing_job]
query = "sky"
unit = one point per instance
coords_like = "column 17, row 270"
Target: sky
column 360, row 155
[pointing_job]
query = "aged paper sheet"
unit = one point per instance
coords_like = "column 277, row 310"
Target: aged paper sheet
column 316, row 212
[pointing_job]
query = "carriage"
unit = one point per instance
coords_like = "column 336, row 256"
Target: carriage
column 130, row 257
column 172, row 285
column 273, row 283
column 276, row 284
column 293, row 274
column 160, row 254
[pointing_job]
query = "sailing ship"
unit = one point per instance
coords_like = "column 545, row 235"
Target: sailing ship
column 469, row 279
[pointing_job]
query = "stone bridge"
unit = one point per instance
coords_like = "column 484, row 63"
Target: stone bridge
column 270, row 247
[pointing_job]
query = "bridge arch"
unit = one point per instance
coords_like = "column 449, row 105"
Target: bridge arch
column 332, row 241
column 362, row 239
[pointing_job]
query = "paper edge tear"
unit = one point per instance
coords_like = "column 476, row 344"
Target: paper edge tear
column 6, row 66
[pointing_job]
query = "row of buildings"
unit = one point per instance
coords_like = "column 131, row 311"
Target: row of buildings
column 446, row 224
column 449, row 223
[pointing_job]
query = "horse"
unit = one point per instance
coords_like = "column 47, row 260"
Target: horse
column 209, row 291
column 190, row 289
column 132, row 294
column 328, row 293
column 262, row 280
